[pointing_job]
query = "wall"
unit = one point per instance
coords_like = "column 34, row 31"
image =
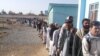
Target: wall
column 83, row 11
column 61, row 12
column 50, row 16
column 88, row 2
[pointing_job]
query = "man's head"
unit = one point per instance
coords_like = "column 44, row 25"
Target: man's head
column 68, row 24
column 86, row 23
column 94, row 28
column 70, row 18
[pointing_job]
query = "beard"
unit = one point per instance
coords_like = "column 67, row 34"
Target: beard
column 86, row 26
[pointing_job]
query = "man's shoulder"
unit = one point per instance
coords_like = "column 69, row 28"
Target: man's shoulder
column 79, row 32
column 56, row 31
column 87, row 37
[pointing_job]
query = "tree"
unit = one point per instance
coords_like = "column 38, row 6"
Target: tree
column 11, row 13
column 41, row 13
column 20, row 13
column 30, row 14
column 3, row 12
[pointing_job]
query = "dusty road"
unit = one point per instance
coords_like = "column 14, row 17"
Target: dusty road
column 22, row 41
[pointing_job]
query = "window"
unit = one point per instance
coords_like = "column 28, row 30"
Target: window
column 93, row 11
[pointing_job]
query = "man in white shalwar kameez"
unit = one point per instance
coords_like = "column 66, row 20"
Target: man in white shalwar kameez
column 48, row 38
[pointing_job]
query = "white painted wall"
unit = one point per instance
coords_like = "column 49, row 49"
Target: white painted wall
column 88, row 2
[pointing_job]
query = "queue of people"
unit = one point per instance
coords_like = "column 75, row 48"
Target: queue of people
column 67, row 40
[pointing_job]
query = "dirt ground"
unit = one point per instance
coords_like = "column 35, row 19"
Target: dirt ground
column 21, row 41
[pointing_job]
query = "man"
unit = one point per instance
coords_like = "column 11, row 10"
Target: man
column 89, row 42
column 55, row 41
column 48, row 37
column 44, row 32
column 77, row 42
column 65, row 34
column 53, row 28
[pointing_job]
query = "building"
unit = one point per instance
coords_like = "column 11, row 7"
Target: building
column 57, row 13
column 88, row 9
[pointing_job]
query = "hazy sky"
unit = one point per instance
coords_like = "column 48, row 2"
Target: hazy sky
column 34, row 6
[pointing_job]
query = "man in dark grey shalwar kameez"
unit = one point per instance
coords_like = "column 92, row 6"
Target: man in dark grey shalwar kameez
column 66, row 39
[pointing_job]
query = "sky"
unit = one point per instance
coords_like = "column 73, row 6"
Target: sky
column 33, row 6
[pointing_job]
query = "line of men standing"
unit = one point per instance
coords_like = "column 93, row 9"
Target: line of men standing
column 68, row 41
